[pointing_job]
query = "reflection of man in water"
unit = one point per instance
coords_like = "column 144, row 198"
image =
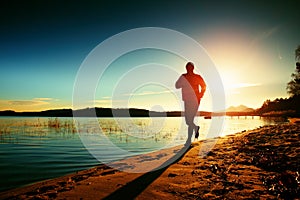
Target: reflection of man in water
column 189, row 84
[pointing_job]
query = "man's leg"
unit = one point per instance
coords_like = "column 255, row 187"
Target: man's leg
column 197, row 128
column 190, row 111
column 197, row 132
column 190, row 134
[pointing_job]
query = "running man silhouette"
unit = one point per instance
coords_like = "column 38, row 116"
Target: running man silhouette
column 189, row 84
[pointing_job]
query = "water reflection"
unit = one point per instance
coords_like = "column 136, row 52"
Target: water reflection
column 119, row 130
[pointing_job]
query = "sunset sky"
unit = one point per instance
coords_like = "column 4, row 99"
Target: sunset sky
column 44, row 43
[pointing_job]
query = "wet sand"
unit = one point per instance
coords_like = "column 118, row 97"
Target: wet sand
column 257, row 164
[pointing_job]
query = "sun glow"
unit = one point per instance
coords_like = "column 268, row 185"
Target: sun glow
column 243, row 61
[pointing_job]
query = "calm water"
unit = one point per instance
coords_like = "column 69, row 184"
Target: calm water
column 34, row 149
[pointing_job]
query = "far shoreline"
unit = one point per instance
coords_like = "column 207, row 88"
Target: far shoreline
column 136, row 112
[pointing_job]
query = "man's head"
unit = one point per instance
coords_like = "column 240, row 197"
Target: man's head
column 189, row 67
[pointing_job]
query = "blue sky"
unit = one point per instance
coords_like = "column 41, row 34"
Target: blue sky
column 43, row 44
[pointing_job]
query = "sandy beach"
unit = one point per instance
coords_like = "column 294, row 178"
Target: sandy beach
column 257, row 164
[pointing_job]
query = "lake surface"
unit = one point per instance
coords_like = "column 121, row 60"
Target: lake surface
column 34, row 149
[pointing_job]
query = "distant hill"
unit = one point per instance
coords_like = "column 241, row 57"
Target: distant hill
column 240, row 108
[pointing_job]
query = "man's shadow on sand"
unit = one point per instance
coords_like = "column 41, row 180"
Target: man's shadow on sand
column 132, row 189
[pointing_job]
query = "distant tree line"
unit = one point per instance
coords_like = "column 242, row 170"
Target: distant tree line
column 293, row 87
column 93, row 112
column 287, row 107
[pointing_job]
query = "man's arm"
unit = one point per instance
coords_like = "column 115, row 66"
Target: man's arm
column 179, row 82
column 203, row 87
